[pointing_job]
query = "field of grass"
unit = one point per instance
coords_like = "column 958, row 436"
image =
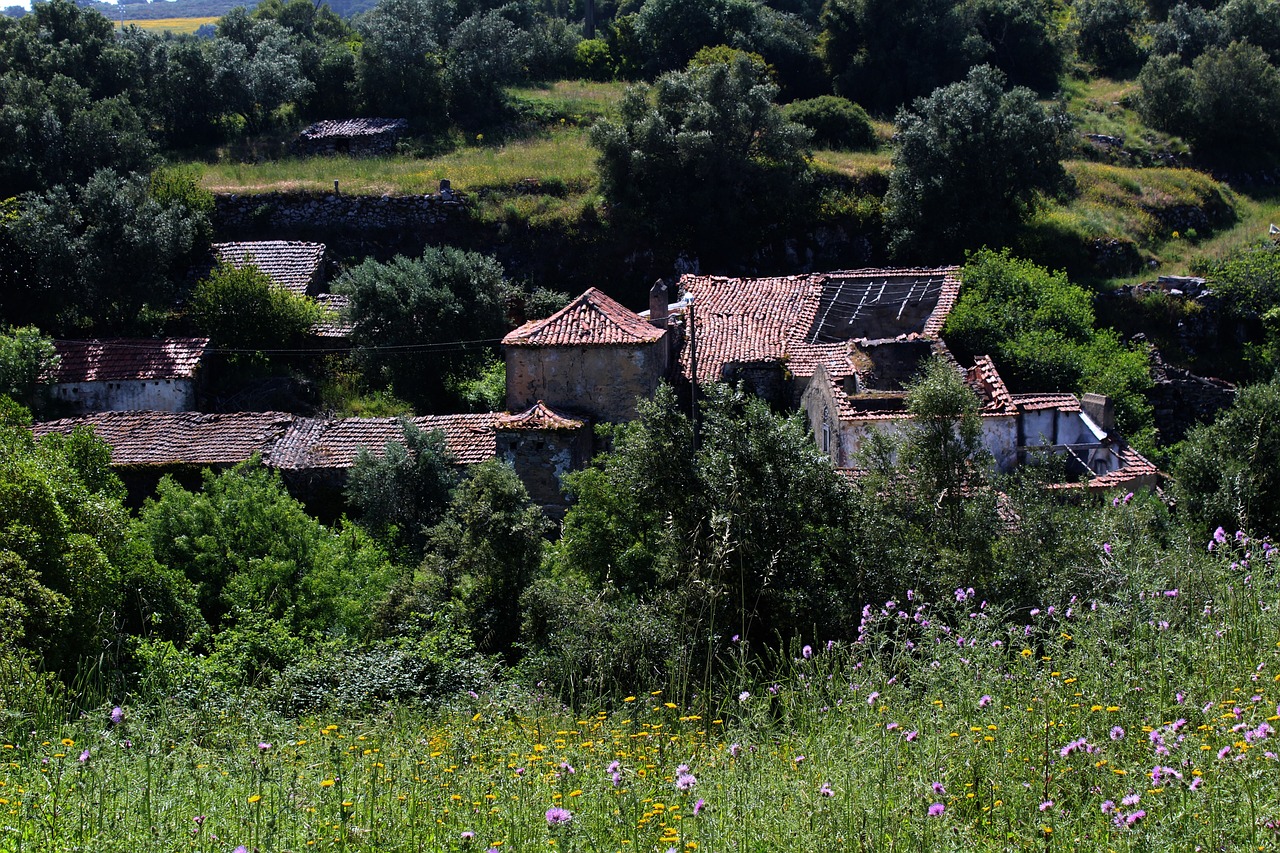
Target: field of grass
column 563, row 156
column 578, row 102
column 180, row 26
column 1140, row 720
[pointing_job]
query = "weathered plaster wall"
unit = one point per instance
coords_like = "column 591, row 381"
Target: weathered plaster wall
column 138, row 395
column 541, row 458
column 1000, row 439
column 602, row 382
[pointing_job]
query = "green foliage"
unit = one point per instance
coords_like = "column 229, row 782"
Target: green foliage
column 27, row 358
column 835, row 122
column 1040, row 330
column 703, row 156
column 422, row 320
column 1010, row 146
column 105, row 256
column 486, row 51
column 1023, row 38
column 242, row 309
column 255, row 69
column 257, row 558
column 484, row 553
column 1227, row 104
column 484, row 391
column 1106, row 33
column 1225, row 474
column 883, row 53
column 400, row 64
column 594, row 60
column 745, row 526
column 402, row 490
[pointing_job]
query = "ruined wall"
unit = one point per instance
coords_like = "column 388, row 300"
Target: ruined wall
column 601, row 382
column 277, row 212
column 541, row 458
column 135, row 395
column 1000, row 439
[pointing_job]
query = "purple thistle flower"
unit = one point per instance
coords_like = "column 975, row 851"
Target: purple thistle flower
column 198, row 820
column 1117, row 733
column 1130, row 800
column 557, row 816
column 826, row 791
column 871, row 699
column 1108, row 806
column 1196, row 783
column 1135, row 817
column 613, row 767
column 1106, row 548
column 807, row 652
column 686, row 781
column 467, row 836
column 912, row 735
column 1046, row 805
column 984, row 701
column 263, row 746
column 735, row 749
column 1224, row 752
column 744, row 696
column 84, row 756
column 936, row 809
column 241, row 849
column 699, row 806
column 799, row 759
column 938, row 789
column 117, row 715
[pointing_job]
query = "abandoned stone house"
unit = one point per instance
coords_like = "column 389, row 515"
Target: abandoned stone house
column 126, row 374
column 314, row 455
column 842, row 346
column 364, row 137
column 298, row 267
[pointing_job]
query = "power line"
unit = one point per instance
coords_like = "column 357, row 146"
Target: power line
column 438, row 346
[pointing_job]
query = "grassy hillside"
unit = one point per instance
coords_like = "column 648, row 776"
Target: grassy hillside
column 179, row 26
column 1139, row 719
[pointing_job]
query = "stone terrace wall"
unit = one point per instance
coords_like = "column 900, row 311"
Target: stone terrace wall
column 272, row 213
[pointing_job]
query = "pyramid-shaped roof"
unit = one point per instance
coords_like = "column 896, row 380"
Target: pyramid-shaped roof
column 537, row 416
column 593, row 319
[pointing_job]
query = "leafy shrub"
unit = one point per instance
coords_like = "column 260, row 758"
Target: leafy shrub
column 836, row 122
column 241, row 308
column 1106, row 33
column 594, row 61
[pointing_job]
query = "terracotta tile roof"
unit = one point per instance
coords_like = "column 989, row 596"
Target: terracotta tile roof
column 178, row 438
column 285, row 441
column 593, row 319
column 123, row 359
column 537, row 416
column 1135, row 470
column 986, row 380
column 291, row 264
column 353, row 127
column 808, row 320
column 1040, row 402
column 313, row 443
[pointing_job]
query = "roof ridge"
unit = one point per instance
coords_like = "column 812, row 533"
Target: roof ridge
column 593, row 318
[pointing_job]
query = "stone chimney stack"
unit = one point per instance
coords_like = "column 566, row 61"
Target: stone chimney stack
column 1101, row 409
column 658, row 304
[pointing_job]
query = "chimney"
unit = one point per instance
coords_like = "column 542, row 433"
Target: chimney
column 658, row 304
column 1101, row 409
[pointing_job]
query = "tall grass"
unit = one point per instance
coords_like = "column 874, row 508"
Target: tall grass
column 1142, row 719
column 180, row 26
column 563, row 155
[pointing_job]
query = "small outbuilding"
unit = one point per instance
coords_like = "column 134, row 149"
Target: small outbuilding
column 362, row 137
column 126, row 374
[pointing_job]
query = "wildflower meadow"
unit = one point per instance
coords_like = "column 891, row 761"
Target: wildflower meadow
column 1145, row 721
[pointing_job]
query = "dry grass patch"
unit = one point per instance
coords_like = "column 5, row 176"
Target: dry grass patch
column 180, row 26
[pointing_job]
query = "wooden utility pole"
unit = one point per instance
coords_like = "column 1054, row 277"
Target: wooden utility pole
column 589, row 26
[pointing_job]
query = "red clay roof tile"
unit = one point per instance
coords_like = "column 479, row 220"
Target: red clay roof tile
column 593, row 319
column 123, row 359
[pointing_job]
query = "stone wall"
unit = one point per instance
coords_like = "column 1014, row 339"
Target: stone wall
column 273, row 213
column 601, row 382
column 1180, row 399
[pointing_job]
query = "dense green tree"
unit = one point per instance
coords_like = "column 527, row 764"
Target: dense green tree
column 1187, row 32
column 1255, row 21
column 485, row 552
column 256, row 69
column 1023, row 39
column 973, row 160
column 1106, row 33
column 402, row 489
column 883, row 53
column 71, row 578
column 1226, row 105
column 702, row 155
column 421, row 320
column 256, row 557
column 242, row 309
column 106, row 256
column 746, row 527
column 399, row 72
column 1040, row 329
column 486, row 51
column 27, row 357
column 835, row 122
column 1226, row 474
